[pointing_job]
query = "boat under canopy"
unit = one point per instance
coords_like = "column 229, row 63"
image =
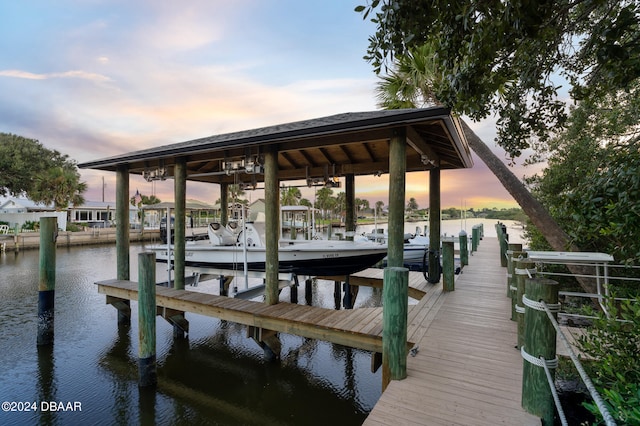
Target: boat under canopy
column 243, row 249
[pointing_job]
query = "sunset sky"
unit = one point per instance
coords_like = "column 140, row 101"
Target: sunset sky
column 96, row 78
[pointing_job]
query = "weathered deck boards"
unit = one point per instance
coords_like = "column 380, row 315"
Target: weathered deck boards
column 372, row 277
column 467, row 370
column 358, row 328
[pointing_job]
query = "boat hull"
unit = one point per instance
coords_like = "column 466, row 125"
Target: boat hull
column 336, row 258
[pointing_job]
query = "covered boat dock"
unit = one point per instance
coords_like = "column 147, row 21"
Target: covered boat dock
column 318, row 151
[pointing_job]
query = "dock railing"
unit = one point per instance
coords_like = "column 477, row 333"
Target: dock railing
column 546, row 304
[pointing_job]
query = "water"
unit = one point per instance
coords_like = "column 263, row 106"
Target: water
column 215, row 376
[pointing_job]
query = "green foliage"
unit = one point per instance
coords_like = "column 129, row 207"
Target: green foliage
column 45, row 176
column 30, row 225
column 75, row 227
column 591, row 185
column 614, row 344
column 290, row 196
column 501, row 57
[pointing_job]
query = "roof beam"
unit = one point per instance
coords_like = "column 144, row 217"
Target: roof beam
column 421, row 146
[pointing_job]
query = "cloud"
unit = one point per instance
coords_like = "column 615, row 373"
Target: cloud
column 79, row 74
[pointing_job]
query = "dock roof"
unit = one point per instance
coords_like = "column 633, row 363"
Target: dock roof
column 321, row 148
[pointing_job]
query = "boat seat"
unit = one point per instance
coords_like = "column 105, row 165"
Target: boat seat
column 219, row 235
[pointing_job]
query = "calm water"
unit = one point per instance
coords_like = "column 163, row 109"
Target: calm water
column 215, row 376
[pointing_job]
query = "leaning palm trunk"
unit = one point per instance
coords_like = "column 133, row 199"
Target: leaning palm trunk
column 539, row 216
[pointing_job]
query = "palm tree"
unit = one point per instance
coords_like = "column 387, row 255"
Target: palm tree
column 290, row 196
column 59, row 186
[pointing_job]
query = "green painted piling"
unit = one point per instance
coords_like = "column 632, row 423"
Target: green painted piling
column 434, row 225
column 475, row 238
column 179, row 246
column 514, row 256
column 448, row 265
column 539, row 341
column 395, row 293
column 522, row 269
column 147, row 370
column 47, row 280
column 272, row 227
column 123, row 243
column 397, row 176
column 464, row 250
column 511, row 248
column 350, row 206
column 122, row 222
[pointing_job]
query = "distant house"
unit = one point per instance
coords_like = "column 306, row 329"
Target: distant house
column 16, row 212
column 99, row 214
column 258, row 206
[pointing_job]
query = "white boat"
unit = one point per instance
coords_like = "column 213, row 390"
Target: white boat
column 232, row 247
column 415, row 245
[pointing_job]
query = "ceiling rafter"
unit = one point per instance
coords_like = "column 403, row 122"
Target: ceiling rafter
column 420, row 145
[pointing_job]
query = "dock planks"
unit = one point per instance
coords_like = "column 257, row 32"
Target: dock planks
column 467, row 370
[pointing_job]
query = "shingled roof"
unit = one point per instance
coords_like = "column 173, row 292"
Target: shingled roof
column 356, row 142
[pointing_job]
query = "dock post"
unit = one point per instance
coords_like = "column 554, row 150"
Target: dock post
column 539, row 342
column 147, row 372
column 523, row 268
column 123, row 242
column 47, row 280
column 347, row 301
column 395, row 294
column 475, row 237
column 294, row 290
column 510, row 254
column 308, row 291
column 514, row 252
column 337, row 294
column 503, row 238
column 464, row 251
column 448, row 266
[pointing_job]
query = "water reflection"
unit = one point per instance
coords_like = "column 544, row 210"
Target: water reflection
column 215, row 376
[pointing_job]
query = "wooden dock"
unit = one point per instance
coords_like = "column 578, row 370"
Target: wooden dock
column 467, row 370
column 358, row 328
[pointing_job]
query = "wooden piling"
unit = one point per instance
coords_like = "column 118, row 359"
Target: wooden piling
column 47, row 280
column 123, row 243
column 512, row 249
column 434, row 225
column 448, row 265
column 522, row 269
column 397, row 176
column 395, row 293
column 513, row 257
column 464, row 250
column 350, row 206
column 179, row 228
column 308, row 291
column 147, row 370
column 503, row 237
column 272, row 227
column 475, row 238
column 539, row 341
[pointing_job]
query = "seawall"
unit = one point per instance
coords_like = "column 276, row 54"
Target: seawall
column 31, row 240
